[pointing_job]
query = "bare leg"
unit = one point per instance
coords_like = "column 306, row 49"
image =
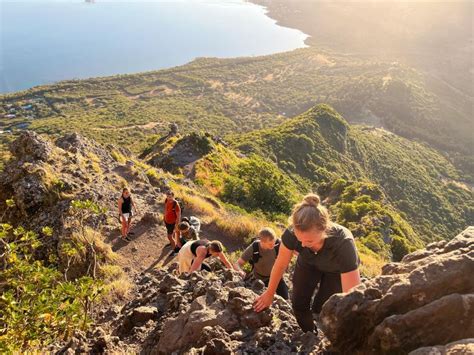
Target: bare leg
column 124, row 227
column 129, row 224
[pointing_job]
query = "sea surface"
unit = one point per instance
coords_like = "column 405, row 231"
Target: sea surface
column 43, row 42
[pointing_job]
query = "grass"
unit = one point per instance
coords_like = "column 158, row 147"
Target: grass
column 118, row 286
column 370, row 263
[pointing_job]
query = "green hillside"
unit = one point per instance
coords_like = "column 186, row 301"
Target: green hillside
column 239, row 95
column 321, row 147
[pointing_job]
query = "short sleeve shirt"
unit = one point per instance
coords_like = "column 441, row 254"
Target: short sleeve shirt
column 338, row 254
column 263, row 267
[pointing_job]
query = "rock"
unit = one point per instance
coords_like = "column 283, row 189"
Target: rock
column 138, row 317
column 402, row 310
column 461, row 347
column 421, row 326
column 30, row 146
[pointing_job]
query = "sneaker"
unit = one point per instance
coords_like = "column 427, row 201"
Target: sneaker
column 127, row 239
column 131, row 233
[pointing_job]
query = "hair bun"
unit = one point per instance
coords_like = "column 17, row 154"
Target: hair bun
column 312, row 200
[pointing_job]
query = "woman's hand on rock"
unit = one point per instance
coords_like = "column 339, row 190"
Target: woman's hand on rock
column 263, row 301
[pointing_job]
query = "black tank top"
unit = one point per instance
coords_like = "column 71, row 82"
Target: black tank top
column 197, row 244
column 127, row 204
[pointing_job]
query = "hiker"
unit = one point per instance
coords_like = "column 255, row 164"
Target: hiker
column 327, row 256
column 193, row 222
column 192, row 255
column 261, row 254
column 125, row 204
column 186, row 233
column 171, row 217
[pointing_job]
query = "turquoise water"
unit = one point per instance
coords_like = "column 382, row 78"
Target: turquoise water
column 47, row 41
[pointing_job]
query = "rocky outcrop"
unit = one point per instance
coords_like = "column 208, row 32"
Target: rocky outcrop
column 425, row 300
column 45, row 176
column 205, row 313
column 174, row 155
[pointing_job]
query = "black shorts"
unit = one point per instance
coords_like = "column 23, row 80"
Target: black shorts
column 170, row 228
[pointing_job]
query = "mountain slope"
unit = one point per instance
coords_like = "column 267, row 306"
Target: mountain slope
column 238, row 95
column 321, row 147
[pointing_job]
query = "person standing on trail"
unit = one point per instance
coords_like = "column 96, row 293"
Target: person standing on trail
column 327, row 256
column 261, row 254
column 171, row 217
column 192, row 255
column 125, row 204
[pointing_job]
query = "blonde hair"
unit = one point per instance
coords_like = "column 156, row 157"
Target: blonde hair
column 267, row 234
column 309, row 213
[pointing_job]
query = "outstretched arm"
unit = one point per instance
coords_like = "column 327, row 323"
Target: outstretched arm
column 281, row 263
column 134, row 205
column 197, row 262
column 350, row 279
column 225, row 261
column 120, row 207
column 239, row 264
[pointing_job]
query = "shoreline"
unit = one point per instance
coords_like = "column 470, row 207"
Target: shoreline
column 266, row 13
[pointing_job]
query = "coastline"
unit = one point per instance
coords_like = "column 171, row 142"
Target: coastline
column 164, row 67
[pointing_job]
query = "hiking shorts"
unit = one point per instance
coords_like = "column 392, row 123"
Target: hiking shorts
column 170, row 228
column 126, row 216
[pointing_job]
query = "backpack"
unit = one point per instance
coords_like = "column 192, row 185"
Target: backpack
column 195, row 223
column 256, row 252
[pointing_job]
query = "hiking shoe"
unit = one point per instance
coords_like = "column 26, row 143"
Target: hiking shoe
column 131, row 233
column 126, row 239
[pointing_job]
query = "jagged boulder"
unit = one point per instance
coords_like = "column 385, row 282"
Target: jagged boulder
column 29, row 146
column 426, row 299
column 203, row 313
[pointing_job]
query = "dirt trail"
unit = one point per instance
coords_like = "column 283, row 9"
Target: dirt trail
column 149, row 247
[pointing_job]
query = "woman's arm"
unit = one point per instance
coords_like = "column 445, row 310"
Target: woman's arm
column 134, row 205
column 350, row 279
column 226, row 262
column 120, row 206
column 278, row 269
column 197, row 262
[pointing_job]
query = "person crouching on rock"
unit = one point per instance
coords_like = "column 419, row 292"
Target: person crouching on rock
column 261, row 254
column 125, row 204
column 186, row 233
column 192, row 255
column 327, row 256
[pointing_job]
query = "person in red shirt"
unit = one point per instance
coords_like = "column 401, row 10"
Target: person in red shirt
column 171, row 216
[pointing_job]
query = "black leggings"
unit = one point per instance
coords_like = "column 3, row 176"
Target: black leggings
column 305, row 280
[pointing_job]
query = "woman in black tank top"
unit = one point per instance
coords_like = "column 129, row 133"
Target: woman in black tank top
column 125, row 204
column 203, row 249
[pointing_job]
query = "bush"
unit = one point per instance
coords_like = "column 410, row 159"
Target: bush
column 399, row 248
column 256, row 184
column 37, row 305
